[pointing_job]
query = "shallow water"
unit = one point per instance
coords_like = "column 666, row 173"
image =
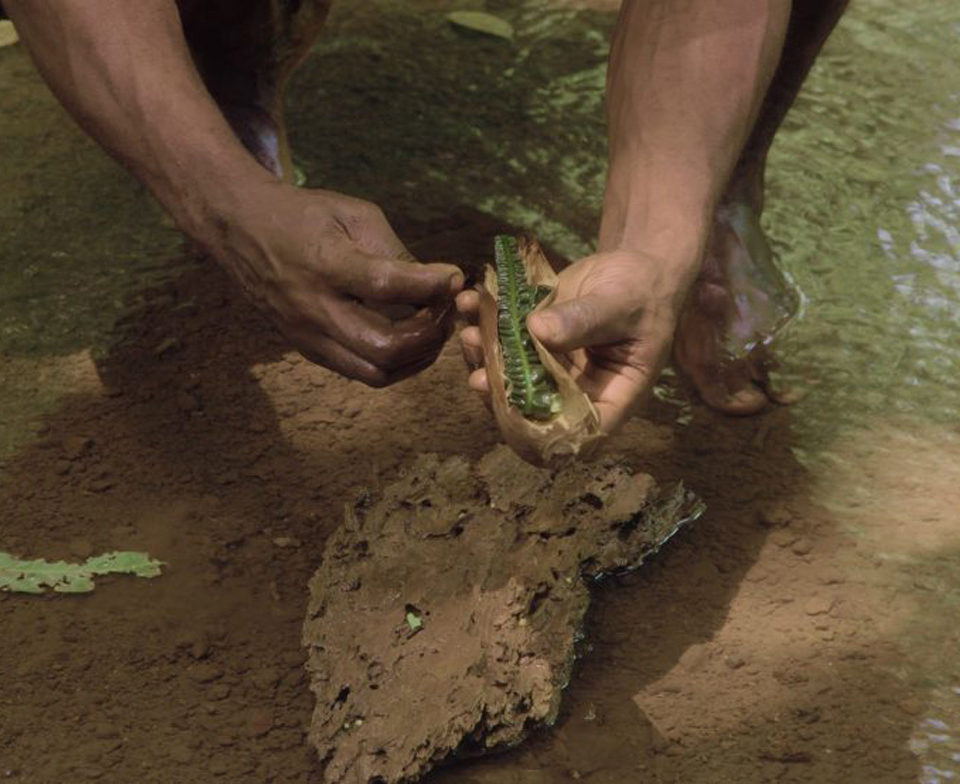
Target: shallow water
column 863, row 207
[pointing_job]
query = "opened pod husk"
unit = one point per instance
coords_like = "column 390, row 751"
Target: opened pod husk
column 542, row 412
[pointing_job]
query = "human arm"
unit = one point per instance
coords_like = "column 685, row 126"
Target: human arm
column 685, row 82
column 313, row 260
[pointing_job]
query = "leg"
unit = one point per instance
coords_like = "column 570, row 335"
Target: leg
column 741, row 299
column 246, row 51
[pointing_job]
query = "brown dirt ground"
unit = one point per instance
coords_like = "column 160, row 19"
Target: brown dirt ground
column 742, row 653
column 760, row 645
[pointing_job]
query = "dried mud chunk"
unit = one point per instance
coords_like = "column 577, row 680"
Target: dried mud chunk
column 493, row 578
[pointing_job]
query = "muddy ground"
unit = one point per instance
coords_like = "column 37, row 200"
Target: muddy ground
column 764, row 643
column 473, row 583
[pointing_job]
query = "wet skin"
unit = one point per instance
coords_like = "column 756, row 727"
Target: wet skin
column 695, row 94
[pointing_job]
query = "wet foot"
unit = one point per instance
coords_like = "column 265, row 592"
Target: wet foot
column 738, row 305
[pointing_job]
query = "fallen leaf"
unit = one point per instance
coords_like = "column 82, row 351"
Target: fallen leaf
column 8, row 33
column 36, row 576
column 480, row 22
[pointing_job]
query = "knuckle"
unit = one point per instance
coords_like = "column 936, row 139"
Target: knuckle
column 382, row 349
column 391, row 353
column 381, row 281
column 368, row 212
column 587, row 313
column 300, row 308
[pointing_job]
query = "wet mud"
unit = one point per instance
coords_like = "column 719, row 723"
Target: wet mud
column 445, row 616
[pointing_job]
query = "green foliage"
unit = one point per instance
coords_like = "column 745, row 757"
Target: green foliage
column 8, row 33
column 39, row 575
column 529, row 386
column 414, row 621
column 480, row 22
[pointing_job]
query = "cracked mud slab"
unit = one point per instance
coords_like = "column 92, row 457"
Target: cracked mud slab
column 445, row 616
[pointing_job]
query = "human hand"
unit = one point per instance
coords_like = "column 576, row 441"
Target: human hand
column 613, row 319
column 328, row 270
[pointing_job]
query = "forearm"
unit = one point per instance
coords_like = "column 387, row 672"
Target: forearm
column 124, row 72
column 686, row 81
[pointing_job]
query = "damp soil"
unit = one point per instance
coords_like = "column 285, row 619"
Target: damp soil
column 146, row 405
column 744, row 651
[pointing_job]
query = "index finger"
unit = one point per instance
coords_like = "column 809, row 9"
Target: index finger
column 384, row 279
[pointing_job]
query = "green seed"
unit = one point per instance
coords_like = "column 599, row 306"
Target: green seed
column 529, row 386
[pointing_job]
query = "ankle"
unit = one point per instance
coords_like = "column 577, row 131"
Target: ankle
column 745, row 186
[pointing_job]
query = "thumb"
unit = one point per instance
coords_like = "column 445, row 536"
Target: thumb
column 575, row 323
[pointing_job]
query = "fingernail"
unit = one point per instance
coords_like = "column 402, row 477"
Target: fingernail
column 456, row 282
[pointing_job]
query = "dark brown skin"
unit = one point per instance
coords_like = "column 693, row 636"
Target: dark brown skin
column 320, row 264
column 691, row 121
column 690, row 116
column 741, row 386
column 685, row 86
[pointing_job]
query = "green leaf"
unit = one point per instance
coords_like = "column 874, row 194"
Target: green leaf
column 414, row 621
column 140, row 564
column 8, row 33
column 479, row 22
column 36, row 576
column 299, row 177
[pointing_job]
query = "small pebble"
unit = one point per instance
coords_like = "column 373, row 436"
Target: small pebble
column 735, row 662
column 187, row 402
column 258, row 722
column 205, row 673
column 199, row 647
column 774, row 516
column 81, row 548
column 180, row 753
column 218, row 766
column 818, row 605
column 911, row 706
column 105, row 731
column 267, row 678
column 843, row 743
column 75, row 447
column 783, row 537
column 832, row 578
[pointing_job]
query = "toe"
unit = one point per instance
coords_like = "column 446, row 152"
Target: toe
column 729, row 389
column 747, row 400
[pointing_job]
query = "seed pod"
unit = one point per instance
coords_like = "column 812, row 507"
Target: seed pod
column 529, row 387
column 541, row 410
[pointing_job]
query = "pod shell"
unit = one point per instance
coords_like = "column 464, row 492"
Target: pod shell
column 575, row 431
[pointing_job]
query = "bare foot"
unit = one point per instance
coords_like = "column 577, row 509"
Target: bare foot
column 738, row 304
